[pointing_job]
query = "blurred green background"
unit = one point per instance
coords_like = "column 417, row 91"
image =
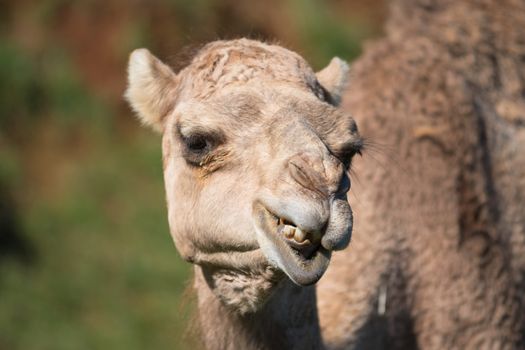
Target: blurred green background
column 86, row 259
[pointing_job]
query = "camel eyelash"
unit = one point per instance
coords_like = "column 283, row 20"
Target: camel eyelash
column 347, row 154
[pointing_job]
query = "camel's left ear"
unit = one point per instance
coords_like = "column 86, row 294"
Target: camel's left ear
column 334, row 78
column 152, row 88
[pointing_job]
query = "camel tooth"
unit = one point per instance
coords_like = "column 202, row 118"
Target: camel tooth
column 299, row 235
column 287, row 231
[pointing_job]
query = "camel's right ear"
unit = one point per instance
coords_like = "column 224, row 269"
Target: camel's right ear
column 151, row 88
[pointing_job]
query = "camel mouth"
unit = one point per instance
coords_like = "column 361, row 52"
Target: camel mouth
column 299, row 254
column 302, row 242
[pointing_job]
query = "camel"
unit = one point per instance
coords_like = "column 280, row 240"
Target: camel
column 257, row 150
column 256, row 157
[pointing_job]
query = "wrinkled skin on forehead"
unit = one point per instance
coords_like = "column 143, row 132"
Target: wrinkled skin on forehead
column 251, row 148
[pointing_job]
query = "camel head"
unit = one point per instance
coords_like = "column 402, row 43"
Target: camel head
column 255, row 154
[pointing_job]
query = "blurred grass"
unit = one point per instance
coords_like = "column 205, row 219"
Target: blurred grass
column 86, row 259
column 106, row 275
column 325, row 34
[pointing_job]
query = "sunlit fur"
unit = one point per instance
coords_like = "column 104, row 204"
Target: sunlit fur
column 263, row 106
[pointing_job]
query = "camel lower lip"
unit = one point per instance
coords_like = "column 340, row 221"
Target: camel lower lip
column 300, row 269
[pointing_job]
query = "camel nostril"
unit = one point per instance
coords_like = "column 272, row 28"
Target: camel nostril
column 322, row 174
column 309, row 172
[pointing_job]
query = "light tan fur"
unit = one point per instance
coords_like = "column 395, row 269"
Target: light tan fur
column 274, row 146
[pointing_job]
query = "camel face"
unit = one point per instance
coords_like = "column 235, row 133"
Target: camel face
column 255, row 156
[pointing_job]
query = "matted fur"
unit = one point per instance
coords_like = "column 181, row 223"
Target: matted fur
column 438, row 255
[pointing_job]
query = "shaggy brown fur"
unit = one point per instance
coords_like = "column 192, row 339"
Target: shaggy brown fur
column 440, row 227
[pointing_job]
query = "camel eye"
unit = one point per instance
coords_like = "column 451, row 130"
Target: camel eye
column 197, row 148
column 196, row 143
column 347, row 159
column 347, row 154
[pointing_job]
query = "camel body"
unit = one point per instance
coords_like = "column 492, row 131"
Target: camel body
column 437, row 259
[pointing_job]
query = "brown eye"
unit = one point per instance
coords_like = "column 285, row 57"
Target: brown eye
column 198, row 147
column 196, row 143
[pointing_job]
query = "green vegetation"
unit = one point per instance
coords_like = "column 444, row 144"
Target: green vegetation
column 106, row 274
column 324, row 34
column 86, row 259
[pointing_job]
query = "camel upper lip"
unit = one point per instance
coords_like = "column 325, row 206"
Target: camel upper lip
column 304, row 261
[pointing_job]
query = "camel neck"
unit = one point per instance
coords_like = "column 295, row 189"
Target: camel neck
column 288, row 319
